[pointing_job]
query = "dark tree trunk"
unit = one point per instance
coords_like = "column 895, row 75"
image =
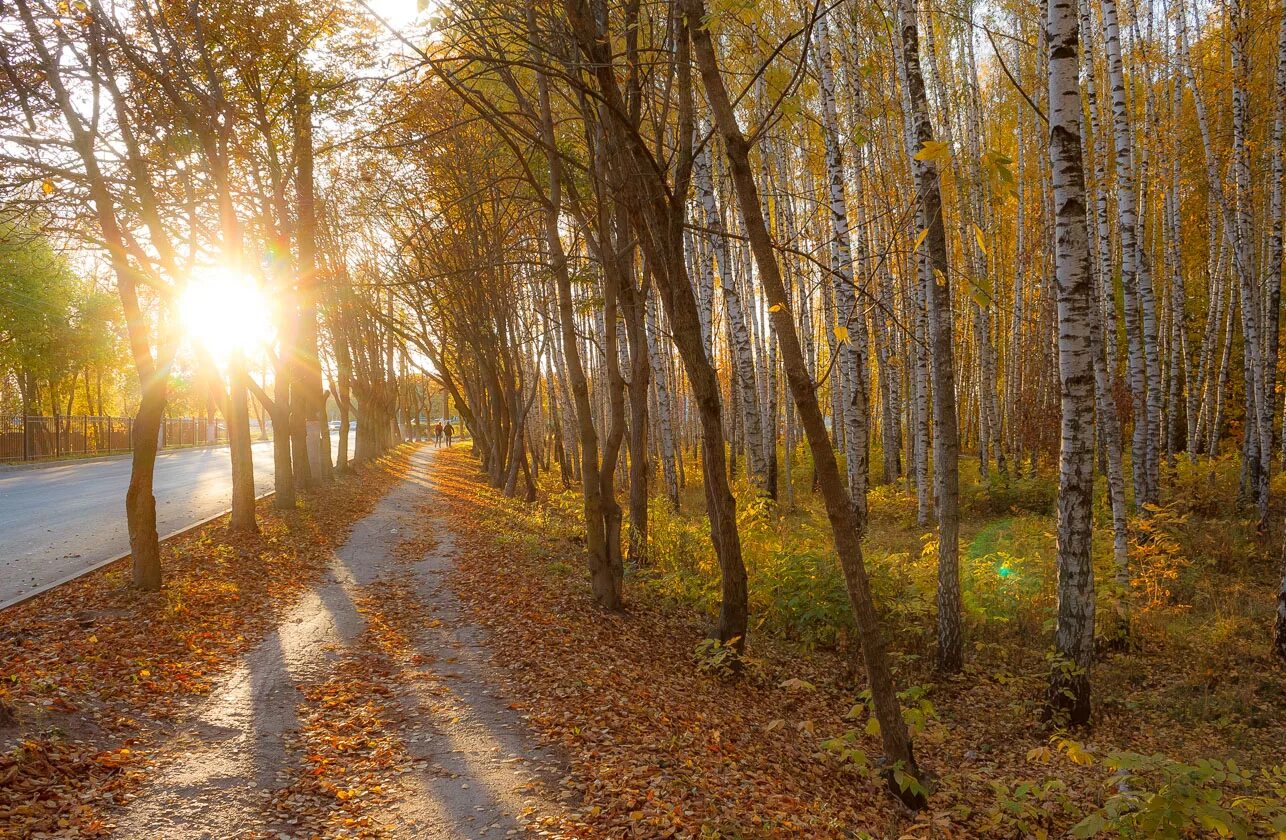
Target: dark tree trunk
column 243, row 470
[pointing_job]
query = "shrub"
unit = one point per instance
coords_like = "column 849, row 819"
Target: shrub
column 999, row 496
column 1156, row 797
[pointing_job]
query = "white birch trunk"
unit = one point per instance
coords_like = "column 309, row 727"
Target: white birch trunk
column 1069, row 692
column 739, row 339
column 849, row 318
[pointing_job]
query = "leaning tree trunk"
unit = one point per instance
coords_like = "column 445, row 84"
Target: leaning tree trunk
column 1068, row 700
column 659, row 220
column 842, row 515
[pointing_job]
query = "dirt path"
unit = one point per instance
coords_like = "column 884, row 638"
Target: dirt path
column 465, row 765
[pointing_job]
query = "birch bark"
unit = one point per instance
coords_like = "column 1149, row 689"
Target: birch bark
column 950, row 655
column 1069, row 689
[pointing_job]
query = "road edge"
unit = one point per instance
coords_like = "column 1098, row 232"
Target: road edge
column 45, row 587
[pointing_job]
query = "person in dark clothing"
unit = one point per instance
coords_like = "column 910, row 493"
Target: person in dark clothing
column 437, row 433
column 449, row 431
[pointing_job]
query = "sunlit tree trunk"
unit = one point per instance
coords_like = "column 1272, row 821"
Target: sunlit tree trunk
column 659, row 212
column 243, row 470
column 1069, row 690
column 1133, row 273
column 1103, row 320
column 840, row 511
column 308, row 428
column 664, row 423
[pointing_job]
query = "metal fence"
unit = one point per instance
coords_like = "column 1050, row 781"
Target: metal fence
column 32, row 438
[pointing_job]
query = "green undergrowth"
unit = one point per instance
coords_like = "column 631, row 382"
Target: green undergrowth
column 1195, row 686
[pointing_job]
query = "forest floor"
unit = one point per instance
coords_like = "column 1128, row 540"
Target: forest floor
column 661, row 740
column 411, row 654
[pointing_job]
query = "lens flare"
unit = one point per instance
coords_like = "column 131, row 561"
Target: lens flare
column 224, row 311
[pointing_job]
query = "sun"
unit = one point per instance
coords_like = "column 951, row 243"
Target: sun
column 224, row 311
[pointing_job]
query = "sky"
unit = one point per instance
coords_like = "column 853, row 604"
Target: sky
column 399, row 13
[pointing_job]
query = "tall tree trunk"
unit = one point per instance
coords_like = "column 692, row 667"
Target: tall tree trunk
column 1134, row 273
column 659, row 217
column 850, row 324
column 664, row 422
column 739, row 339
column 1069, row 689
column 839, row 509
column 946, row 435
column 604, row 567
column 1104, row 319
column 243, row 470
column 309, row 427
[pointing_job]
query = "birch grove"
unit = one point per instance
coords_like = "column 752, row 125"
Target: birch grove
column 729, row 282
column 956, row 285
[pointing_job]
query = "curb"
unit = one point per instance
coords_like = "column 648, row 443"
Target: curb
column 47, row 463
column 46, row 587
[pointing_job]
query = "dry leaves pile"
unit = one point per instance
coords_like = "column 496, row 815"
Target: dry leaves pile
column 658, row 748
column 96, row 671
column 351, row 746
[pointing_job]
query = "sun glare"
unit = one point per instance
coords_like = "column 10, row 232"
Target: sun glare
column 224, row 311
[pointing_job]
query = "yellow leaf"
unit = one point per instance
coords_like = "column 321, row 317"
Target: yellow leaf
column 47, row 186
column 775, row 725
column 841, row 333
column 1077, row 753
column 919, row 240
column 92, row 640
column 982, row 245
column 933, row 151
column 145, row 673
column 776, row 307
column 636, row 815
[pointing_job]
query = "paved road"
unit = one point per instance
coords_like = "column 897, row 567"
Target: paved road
column 58, row 520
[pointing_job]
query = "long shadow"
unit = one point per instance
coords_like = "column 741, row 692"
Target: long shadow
column 466, row 742
column 459, row 726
